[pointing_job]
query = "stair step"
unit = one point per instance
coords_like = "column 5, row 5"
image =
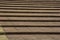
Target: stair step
column 30, row 23
column 24, row 8
column 31, row 29
column 27, row 14
column 31, row 2
column 28, row 18
column 37, row 5
column 30, row 10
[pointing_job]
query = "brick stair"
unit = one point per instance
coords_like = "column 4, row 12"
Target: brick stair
column 30, row 16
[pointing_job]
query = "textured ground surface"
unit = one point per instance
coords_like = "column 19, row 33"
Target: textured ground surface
column 30, row 16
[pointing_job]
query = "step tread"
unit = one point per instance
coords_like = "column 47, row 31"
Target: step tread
column 31, row 29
